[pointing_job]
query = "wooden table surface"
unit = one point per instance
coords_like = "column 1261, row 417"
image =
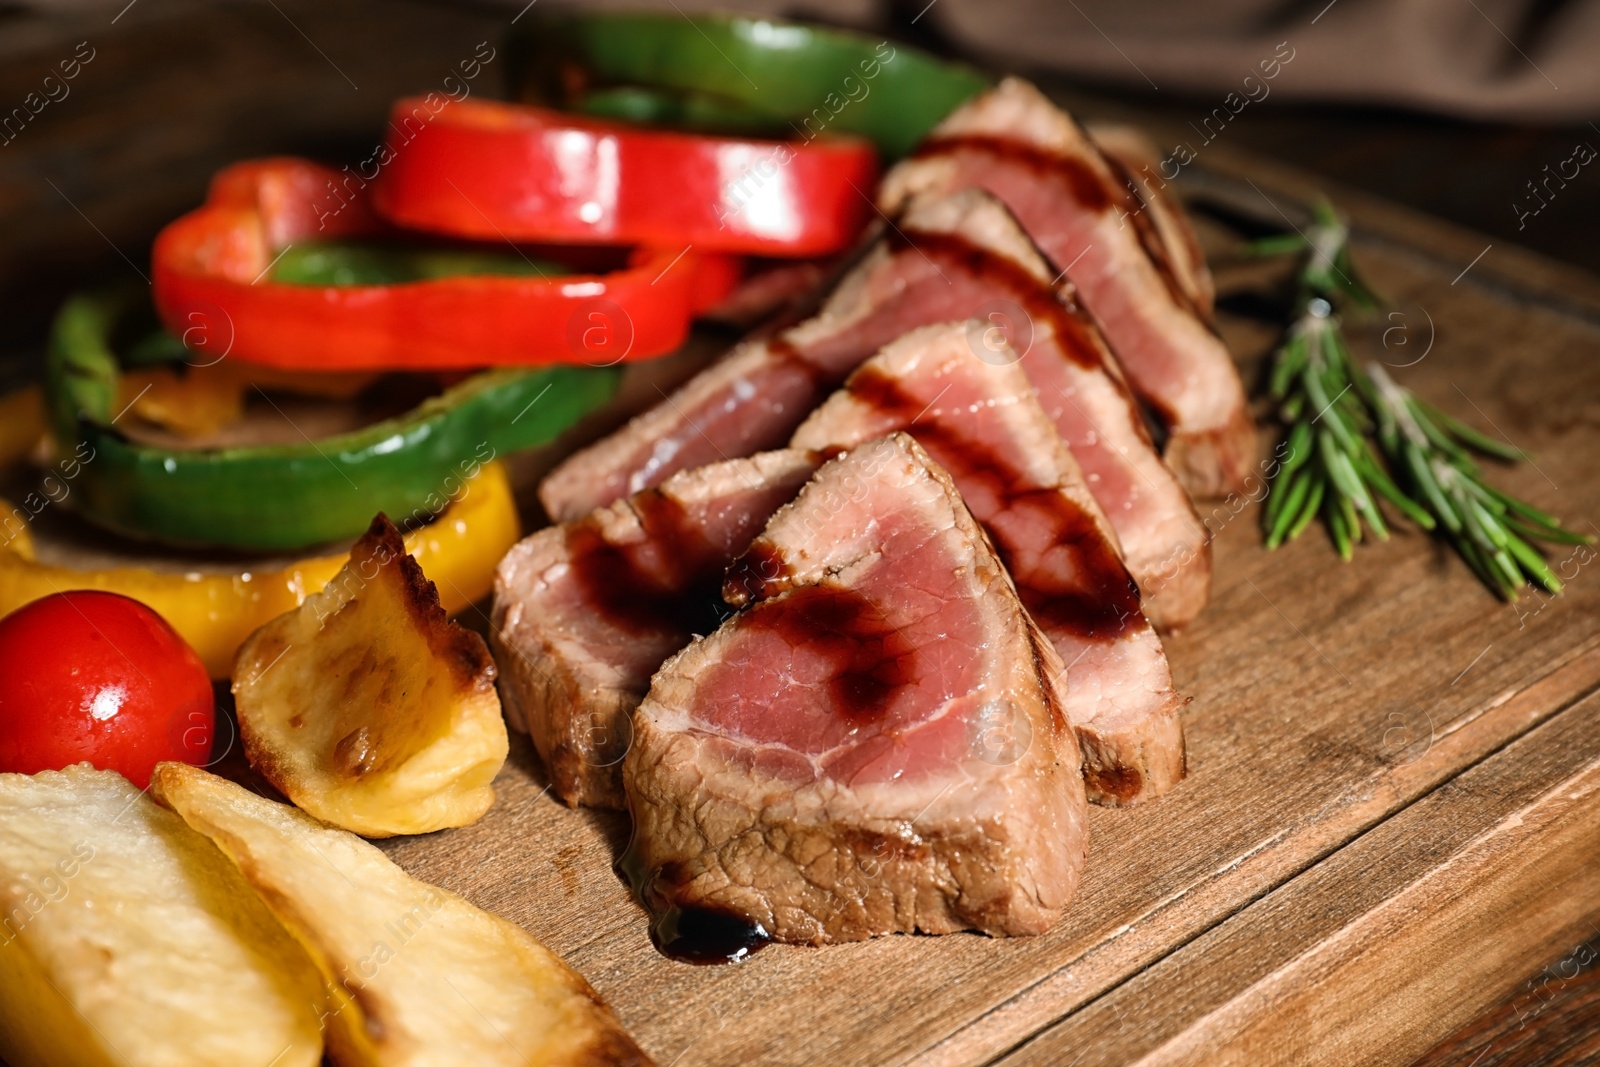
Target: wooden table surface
column 1390, row 825
column 1553, row 1020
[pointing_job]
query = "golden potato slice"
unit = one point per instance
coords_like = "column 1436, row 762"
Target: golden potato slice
column 418, row 975
column 129, row 940
column 369, row 708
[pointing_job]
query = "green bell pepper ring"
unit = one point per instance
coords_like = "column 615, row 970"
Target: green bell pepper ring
column 288, row 496
column 734, row 73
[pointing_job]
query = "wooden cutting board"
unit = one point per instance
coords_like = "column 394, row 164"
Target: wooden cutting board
column 1393, row 807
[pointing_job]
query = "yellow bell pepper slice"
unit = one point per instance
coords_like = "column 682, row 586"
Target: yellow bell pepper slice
column 216, row 611
column 203, row 399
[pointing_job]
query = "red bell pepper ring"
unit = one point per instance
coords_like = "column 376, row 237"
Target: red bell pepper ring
column 212, row 288
column 486, row 169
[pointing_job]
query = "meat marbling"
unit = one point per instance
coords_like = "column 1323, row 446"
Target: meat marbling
column 869, row 747
column 983, row 423
column 1015, row 143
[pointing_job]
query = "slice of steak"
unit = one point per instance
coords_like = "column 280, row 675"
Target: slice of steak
column 1015, row 143
column 778, row 291
column 754, row 397
column 1166, row 547
column 952, row 256
column 869, row 747
column 740, row 405
column 1164, row 227
column 983, row 423
column 585, row 612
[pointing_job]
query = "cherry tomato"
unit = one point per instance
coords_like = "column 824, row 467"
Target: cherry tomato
column 98, row 676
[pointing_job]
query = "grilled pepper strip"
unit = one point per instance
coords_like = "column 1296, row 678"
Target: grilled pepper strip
column 289, row 496
column 488, row 169
column 216, row 611
column 741, row 74
column 213, row 284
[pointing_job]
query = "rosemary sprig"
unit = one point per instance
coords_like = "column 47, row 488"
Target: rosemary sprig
column 1355, row 439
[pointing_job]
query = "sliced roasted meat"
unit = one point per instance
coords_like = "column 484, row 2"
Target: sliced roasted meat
column 782, row 290
column 1015, row 143
column 728, row 410
column 585, row 612
column 869, row 747
column 982, row 422
column 753, row 398
column 953, row 256
column 1163, row 224
column 1164, row 544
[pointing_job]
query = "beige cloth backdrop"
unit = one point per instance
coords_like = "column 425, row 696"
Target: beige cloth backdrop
column 1512, row 59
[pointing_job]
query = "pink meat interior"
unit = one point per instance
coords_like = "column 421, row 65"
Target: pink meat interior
column 755, row 399
column 1068, row 211
column 864, row 684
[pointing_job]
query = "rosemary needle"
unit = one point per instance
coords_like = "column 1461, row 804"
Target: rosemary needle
column 1356, row 438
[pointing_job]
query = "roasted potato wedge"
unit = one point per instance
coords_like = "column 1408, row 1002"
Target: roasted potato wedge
column 129, row 940
column 369, row 708
column 418, row 975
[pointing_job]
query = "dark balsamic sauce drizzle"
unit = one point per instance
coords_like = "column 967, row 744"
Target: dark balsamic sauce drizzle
column 697, row 935
column 1084, row 186
column 684, row 597
column 869, row 658
column 1001, row 274
column 820, row 381
column 1106, row 605
column 789, row 353
column 870, row 661
column 1138, row 206
column 754, row 575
